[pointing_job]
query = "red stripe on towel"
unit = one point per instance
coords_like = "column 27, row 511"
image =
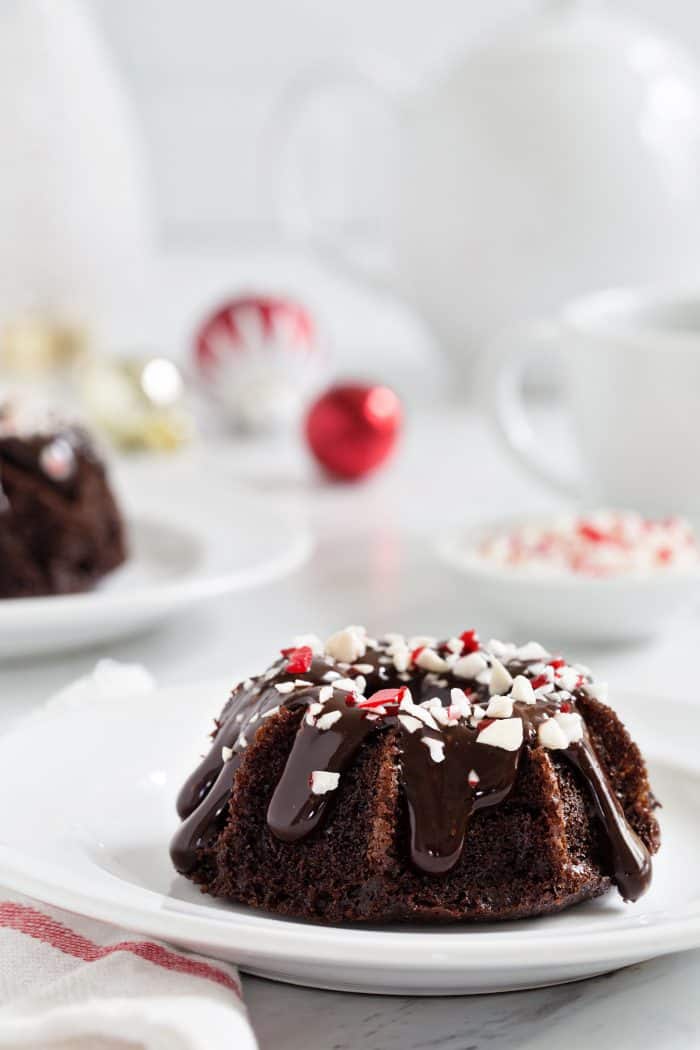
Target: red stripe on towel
column 43, row 928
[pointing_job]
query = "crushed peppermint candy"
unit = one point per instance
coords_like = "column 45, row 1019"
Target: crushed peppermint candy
column 600, row 544
column 328, row 720
column 348, row 645
column 321, row 781
column 299, row 659
column 435, row 747
column 506, row 733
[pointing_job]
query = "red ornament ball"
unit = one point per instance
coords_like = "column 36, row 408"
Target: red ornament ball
column 352, row 428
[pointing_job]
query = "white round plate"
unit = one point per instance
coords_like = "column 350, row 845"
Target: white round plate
column 87, row 796
column 215, row 541
column 614, row 609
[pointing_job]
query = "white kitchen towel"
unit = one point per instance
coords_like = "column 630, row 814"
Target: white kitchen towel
column 71, row 983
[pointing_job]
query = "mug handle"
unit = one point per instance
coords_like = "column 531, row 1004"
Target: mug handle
column 506, row 364
column 294, row 216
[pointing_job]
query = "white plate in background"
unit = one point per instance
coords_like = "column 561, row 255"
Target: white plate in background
column 115, row 767
column 184, row 547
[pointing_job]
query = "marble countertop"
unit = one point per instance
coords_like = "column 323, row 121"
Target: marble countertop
column 374, row 563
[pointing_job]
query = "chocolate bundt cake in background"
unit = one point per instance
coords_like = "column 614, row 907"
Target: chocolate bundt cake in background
column 60, row 528
column 388, row 779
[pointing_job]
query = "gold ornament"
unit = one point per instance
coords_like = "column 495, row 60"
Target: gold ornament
column 139, row 402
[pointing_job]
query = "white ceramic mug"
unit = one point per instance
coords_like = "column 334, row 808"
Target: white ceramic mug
column 631, row 362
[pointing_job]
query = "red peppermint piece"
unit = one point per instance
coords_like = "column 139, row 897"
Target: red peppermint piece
column 539, row 681
column 299, row 660
column 590, row 532
column 416, row 653
column 384, row 698
column 558, row 662
column 565, row 708
column 470, row 641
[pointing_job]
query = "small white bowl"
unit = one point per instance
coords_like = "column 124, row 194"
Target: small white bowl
column 613, row 609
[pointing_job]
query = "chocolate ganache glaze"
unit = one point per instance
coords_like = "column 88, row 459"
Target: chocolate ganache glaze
column 462, row 715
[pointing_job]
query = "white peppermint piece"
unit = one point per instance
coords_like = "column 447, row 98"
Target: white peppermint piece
column 484, row 677
column 435, row 747
column 312, row 640
column 442, row 716
column 500, row 707
column 328, row 720
column 469, row 666
column 348, row 645
column 473, row 778
column 322, row 781
column 454, row 645
column 550, row 734
column 429, row 660
column 522, row 690
column 226, row 754
column 405, row 677
column 460, row 704
column 346, row 685
column 360, row 683
column 477, row 713
column 401, row 655
column 410, row 708
column 331, row 676
column 506, row 733
column 532, row 651
column 325, row 694
column 364, row 668
column 571, row 725
column 270, row 713
column 315, row 708
column 253, row 719
column 410, row 723
column 422, row 639
column 500, row 649
column 301, row 683
column 241, row 741
column 500, row 680
column 285, row 687
column 567, row 678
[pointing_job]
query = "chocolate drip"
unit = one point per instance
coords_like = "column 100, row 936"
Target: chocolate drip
column 204, row 822
column 441, row 798
column 294, row 810
column 444, row 782
column 630, row 860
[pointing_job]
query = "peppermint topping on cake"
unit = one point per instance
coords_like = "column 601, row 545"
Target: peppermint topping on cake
column 435, row 747
column 506, row 733
column 321, row 781
column 500, row 680
column 348, row 645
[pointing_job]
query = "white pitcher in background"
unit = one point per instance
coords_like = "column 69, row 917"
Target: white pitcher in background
column 75, row 214
column 561, row 156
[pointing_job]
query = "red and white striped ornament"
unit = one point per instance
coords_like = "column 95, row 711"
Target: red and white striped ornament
column 260, row 357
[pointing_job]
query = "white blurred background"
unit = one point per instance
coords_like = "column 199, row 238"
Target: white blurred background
column 205, row 78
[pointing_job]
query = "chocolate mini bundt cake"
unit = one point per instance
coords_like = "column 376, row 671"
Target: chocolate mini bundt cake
column 60, row 528
column 391, row 780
